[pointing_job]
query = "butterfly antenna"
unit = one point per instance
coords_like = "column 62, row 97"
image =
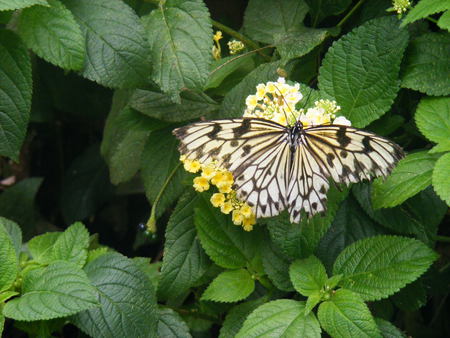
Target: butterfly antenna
column 290, row 110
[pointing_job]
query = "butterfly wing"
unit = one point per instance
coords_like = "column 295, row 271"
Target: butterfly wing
column 255, row 151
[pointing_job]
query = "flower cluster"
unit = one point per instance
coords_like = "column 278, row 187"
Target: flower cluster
column 216, row 50
column 401, row 6
column 235, row 46
column 225, row 199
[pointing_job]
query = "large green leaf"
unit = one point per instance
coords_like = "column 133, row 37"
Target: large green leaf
column 427, row 66
column 53, row 34
column 361, row 76
column 7, row 5
column 433, row 119
column 15, row 93
column 411, row 175
column 280, row 318
column 425, row 8
column 184, row 259
column 441, row 178
column 116, row 48
column 308, row 275
column 180, row 33
column 285, row 16
column 127, row 300
column 379, row 266
column 230, row 286
column 171, row 325
column 10, row 262
column 346, row 315
column 58, row 290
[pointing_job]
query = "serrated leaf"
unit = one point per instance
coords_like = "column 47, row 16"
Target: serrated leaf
column 53, row 34
column 161, row 169
column 349, row 225
column 160, row 106
column 441, row 147
column 86, row 186
column 184, row 259
column 441, row 178
column 297, row 44
column 379, row 266
column 179, row 33
column 412, row 297
column 117, row 50
column 41, row 247
column 427, row 67
column 321, row 9
column 388, row 330
column 236, row 316
column 15, row 233
column 308, row 275
column 346, row 315
column 425, row 8
column 361, row 76
column 411, row 175
column 127, row 300
column 15, row 93
column 58, row 290
column 230, row 286
column 9, row 266
column 228, row 66
column 7, row 5
column 226, row 244
column 285, row 16
column 72, row 245
column 280, row 318
column 276, row 266
column 170, row 324
column 433, row 118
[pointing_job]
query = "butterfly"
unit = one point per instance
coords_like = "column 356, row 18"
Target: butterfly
column 277, row 167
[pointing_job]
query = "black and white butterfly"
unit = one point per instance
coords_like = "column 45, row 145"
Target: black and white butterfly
column 278, row 167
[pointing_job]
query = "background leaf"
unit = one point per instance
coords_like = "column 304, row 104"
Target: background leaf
column 441, row 178
column 433, row 118
column 10, row 263
column 170, row 324
column 425, row 8
column 230, row 286
column 6, row 5
column 308, row 275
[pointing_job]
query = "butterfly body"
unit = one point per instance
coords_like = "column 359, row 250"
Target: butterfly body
column 278, row 167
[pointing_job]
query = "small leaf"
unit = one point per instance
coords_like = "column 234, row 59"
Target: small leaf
column 159, row 106
column 179, row 33
column 411, row 175
column 41, row 247
column 376, row 267
column 53, row 34
column 230, row 286
column 58, row 290
column 170, row 324
column 15, row 93
column 388, row 330
column 72, row 244
column 346, row 315
column 433, row 118
column 427, row 67
column 441, row 178
column 9, row 266
column 425, row 8
column 308, row 275
column 117, row 49
column 313, row 299
column 127, row 300
column 14, row 233
column 297, row 44
column 7, row 5
column 280, row 318
column 444, row 20
column 285, row 16
column 228, row 66
column 361, row 76
column 184, row 259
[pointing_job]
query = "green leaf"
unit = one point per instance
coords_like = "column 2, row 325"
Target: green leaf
column 297, row 44
column 17, row 202
column 361, row 76
column 41, row 247
column 5, row 295
column 184, row 259
column 53, row 34
column 433, row 118
column 159, row 106
column 313, row 299
column 376, row 267
column 229, row 67
column 441, row 178
column 280, row 318
column 117, row 49
column 161, row 169
column 226, row 244
column 15, row 93
column 425, row 8
column 346, row 315
column 86, row 186
column 300, row 241
column 10, row 263
column 412, row 297
column 411, row 175
column 324, row 8
column 276, row 266
column 236, row 316
column 441, row 147
column 179, row 33
column 230, row 286
column 152, row 271
column 285, row 17
column 14, row 233
column 388, row 330
column 426, row 67
column 127, row 300
column 7, row 5
column 72, row 245
column 349, row 225
column 170, row 324
column 308, row 275
column 58, row 290
column 444, row 21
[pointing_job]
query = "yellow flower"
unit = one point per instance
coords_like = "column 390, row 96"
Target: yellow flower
column 201, row 184
column 248, row 223
column 208, row 171
column 218, row 199
column 246, row 210
column 237, row 217
column 251, row 101
column 217, row 36
column 401, row 6
column 225, row 188
column 217, row 177
column 235, row 46
column 191, row 166
column 226, row 207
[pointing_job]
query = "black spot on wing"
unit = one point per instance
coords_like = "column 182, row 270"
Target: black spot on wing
column 323, row 190
column 180, row 132
column 246, row 150
column 314, row 205
column 234, row 143
column 226, row 159
column 366, row 143
column 330, row 158
column 214, row 152
column 242, row 129
column 342, row 138
column 344, row 153
column 216, row 129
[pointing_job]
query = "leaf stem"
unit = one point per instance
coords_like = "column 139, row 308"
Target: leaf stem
column 445, row 239
column 432, row 19
column 350, row 13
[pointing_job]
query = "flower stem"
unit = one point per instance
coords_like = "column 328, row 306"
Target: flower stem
column 350, row 13
column 445, row 239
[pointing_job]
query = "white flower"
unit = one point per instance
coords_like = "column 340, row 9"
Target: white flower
column 342, row 121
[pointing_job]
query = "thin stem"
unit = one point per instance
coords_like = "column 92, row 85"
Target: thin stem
column 432, row 19
column 350, row 13
column 445, row 239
